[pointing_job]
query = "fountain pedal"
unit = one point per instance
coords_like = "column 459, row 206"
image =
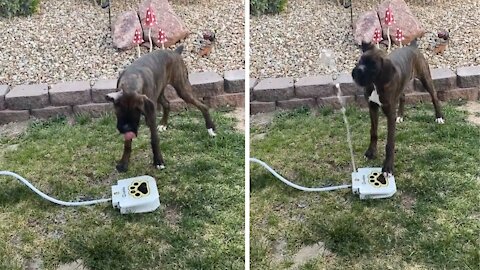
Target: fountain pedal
column 136, row 195
column 370, row 183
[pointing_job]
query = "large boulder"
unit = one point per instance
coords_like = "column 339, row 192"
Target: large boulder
column 123, row 30
column 404, row 19
column 167, row 20
column 365, row 27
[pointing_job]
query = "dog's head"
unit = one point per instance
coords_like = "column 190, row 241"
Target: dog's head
column 372, row 66
column 129, row 107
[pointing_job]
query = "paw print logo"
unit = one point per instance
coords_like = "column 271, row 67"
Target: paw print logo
column 138, row 189
column 377, row 179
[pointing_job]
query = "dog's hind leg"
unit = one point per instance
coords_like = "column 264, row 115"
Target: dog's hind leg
column 184, row 91
column 427, row 84
column 166, row 111
column 426, row 80
column 401, row 108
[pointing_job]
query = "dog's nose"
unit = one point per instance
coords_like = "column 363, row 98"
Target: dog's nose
column 357, row 74
column 126, row 128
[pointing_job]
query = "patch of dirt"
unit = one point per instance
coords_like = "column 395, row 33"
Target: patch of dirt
column 408, row 201
column 304, row 255
column 307, row 253
column 13, row 130
column 473, row 109
column 5, row 149
column 239, row 115
column 34, row 264
column 258, row 137
column 12, row 148
column 261, row 119
column 172, row 216
column 76, row 265
column 279, row 250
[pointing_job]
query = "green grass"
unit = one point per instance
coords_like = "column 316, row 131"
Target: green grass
column 200, row 224
column 432, row 222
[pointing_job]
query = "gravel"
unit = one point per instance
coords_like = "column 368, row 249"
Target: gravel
column 294, row 43
column 70, row 40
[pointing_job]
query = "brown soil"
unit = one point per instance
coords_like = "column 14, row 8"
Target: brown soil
column 239, row 115
column 473, row 109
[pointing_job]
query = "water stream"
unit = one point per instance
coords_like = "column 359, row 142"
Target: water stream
column 328, row 59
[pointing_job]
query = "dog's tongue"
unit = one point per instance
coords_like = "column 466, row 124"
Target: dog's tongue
column 129, row 136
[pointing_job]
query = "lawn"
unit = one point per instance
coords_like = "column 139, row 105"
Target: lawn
column 432, row 222
column 200, row 224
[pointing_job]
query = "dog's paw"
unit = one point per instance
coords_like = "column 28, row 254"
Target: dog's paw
column 386, row 175
column 211, row 132
column 160, row 167
column 440, row 120
column 399, row 119
column 370, row 154
column 387, row 169
column 161, row 128
column 121, row 167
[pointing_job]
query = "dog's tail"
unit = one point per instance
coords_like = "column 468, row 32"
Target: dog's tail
column 179, row 49
column 414, row 43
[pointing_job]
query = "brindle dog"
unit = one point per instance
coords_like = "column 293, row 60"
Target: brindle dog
column 140, row 87
column 388, row 75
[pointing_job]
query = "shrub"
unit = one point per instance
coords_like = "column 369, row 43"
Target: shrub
column 9, row 8
column 258, row 7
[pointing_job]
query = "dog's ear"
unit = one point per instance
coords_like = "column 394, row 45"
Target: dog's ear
column 144, row 104
column 366, row 46
column 148, row 106
column 388, row 70
column 112, row 97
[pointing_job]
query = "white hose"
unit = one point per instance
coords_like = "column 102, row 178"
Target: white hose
column 46, row 197
column 293, row 184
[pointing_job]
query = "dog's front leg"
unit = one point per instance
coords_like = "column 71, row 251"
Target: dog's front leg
column 390, row 147
column 122, row 165
column 157, row 155
column 372, row 148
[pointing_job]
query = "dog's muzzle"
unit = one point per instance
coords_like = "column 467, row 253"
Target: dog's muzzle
column 358, row 75
column 126, row 128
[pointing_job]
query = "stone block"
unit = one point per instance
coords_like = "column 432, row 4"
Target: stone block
column 334, row 102
column 313, row 87
column 261, row 107
column 468, row 77
column 70, row 93
column 26, row 97
column 3, row 91
column 8, row 116
column 49, row 112
column 274, row 89
column 231, row 99
column 93, row 109
column 297, row 103
column 234, row 81
column 206, row 84
column 459, row 94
